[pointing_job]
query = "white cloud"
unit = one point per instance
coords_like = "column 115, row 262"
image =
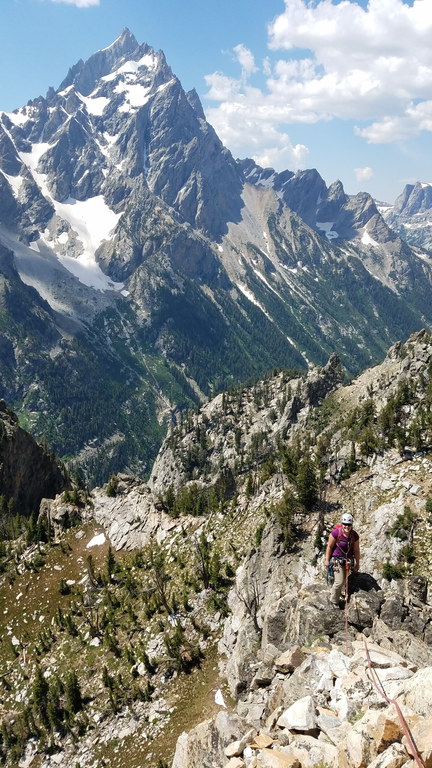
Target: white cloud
column 340, row 60
column 415, row 119
column 246, row 124
column 364, row 174
column 78, row 3
column 365, row 63
column 246, row 60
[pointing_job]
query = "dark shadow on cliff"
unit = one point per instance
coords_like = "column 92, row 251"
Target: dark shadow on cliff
column 362, row 582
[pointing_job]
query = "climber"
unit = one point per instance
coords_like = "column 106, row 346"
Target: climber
column 342, row 553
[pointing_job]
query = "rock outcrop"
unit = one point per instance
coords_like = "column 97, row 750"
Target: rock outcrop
column 307, row 688
column 248, row 422
column 28, row 472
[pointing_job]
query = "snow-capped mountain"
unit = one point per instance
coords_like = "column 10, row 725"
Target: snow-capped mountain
column 411, row 215
column 144, row 267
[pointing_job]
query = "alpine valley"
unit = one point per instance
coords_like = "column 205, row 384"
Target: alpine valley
column 143, row 268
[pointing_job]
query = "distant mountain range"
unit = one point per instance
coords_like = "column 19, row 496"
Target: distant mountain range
column 143, row 268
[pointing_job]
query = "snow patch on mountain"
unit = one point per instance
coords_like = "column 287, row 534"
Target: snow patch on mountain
column 95, row 104
column 327, row 228
column 251, row 296
column 15, row 183
column 17, row 118
column 266, row 282
column 366, row 239
column 31, row 160
column 93, row 221
column 136, row 95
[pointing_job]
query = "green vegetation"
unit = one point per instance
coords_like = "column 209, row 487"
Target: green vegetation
column 285, row 512
column 391, row 571
column 403, row 525
column 126, row 597
column 402, row 529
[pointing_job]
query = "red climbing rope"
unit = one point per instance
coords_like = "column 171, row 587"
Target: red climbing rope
column 347, row 570
column 377, row 682
column 378, row 685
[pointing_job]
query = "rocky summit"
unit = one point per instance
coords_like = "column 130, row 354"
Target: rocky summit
column 411, row 215
column 144, row 269
column 186, row 622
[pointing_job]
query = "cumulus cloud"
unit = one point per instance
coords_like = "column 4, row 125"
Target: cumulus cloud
column 78, row 3
column 364, row 174
column 249, row 131
column 370, row 65
column 415, row 118
column 364, row 63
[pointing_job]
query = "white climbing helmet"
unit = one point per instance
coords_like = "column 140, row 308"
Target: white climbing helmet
column 347, row 519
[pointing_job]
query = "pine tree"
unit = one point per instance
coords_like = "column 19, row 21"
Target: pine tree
column 54, row 709
column 39, row 695
column 306, row 483
column 74, row 701
column 110, row 563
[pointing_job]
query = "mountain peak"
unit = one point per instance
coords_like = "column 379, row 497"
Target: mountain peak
column 126, row 39
column 85, row 74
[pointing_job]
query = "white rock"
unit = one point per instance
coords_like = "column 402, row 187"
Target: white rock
column 300, row 716
column 393, row 757
column 339, row 663
column 417, row 692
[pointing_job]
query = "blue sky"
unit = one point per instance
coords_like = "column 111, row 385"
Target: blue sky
column 344, row 86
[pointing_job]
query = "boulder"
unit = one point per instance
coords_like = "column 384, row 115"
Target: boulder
column 422, row 737
column 261, row 741
column 416, row 692
column 370, row 736
column 364, row 607
column 351, row 694
column 300, row 716
column 235, row 762
column 205, row 744
column 393, row 757
column 339, row 664
column 235, row 748
column 288, row 661
column 379, row 657
column 413, row 649
column 272, row 758
column 384, row 731
column 327, row 720
column 312, row 752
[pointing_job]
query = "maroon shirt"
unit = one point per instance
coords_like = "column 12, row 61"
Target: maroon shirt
column 344, row 546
